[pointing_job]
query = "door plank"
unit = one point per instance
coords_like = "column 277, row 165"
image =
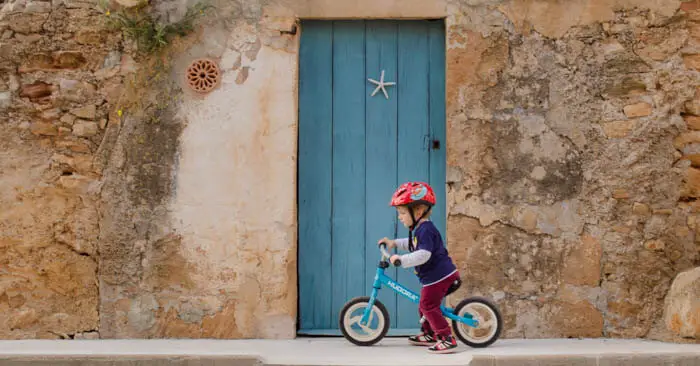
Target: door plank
column 348, row 227
column 315, row 167
column 381, row 150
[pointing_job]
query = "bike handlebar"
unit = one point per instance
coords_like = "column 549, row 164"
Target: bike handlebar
column 382, row 248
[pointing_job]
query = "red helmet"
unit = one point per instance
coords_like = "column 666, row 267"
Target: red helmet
column 412, row 193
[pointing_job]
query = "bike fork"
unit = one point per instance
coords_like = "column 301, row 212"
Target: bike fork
column 370, row 305
column 375, row 290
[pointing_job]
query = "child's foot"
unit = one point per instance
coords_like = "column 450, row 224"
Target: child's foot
column 445, row 344
column 422, row 339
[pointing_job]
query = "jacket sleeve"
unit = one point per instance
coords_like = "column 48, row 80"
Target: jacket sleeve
column 402, row 244
column 415, row 258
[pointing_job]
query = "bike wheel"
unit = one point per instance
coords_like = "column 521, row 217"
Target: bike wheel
column 363, row 335
column 488, row 316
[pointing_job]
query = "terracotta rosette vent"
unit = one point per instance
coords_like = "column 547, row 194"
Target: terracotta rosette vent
column 203, row 75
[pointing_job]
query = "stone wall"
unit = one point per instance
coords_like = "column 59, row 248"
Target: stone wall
column 570, row 203
column 157, row 212
column 58, row 76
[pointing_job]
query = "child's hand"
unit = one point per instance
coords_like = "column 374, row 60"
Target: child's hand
column 389, row 243
column 394, row 258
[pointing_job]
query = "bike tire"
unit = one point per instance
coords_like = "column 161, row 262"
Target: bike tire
column 382, row 310
column 457, row 326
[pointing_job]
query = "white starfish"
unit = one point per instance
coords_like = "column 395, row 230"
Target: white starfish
column 381, row 84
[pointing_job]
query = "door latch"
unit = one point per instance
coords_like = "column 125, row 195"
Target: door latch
column 429, row 142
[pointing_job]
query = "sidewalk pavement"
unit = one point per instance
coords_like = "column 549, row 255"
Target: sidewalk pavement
column 337, row 351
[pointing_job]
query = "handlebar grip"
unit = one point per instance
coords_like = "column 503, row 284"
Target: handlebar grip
column 382, row 247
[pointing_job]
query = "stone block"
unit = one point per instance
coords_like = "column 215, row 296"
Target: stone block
column 686, row 138
column 51, row 114
column 693, row 106
column 692, row 61
column 44, row 129
column 36, row 90
column 627, row 86
column 79, row 4
column 29, row 38
column 27, row 22
column 76, row 91
column 68, row 119
column 60, row 60
column 579, row 319
column 620, row 194
column 582, row 265
column 86, row 37
column 129, row 3
column 691, row 183
column 688, row 6
column 77, row 145
column 113, row 59
column 5, row 99
column 656, row 245
column 38, row 7
column 693, row 158
column 693, row 122
column 618, row 129
column 87, row 112
column 84, row 128
column 637, row 110
column 641, row 209
column 682, row 304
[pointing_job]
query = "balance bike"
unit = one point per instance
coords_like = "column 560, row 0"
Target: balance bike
column 364, row 320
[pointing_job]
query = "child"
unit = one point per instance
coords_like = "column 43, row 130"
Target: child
column 432, row 263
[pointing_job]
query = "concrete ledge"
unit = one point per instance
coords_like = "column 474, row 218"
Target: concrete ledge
column 123, row 360
column 339, row 352
column 688, row 359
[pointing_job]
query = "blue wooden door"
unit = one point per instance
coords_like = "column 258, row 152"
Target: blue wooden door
column 354, row 151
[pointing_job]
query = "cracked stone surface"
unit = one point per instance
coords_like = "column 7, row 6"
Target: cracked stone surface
column 565, row 199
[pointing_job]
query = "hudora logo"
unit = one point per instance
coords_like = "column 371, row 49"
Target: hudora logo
column 401, row 290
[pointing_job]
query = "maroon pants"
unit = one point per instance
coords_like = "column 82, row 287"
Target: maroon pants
column 430, row 298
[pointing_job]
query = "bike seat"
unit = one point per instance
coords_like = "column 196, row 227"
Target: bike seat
column 454, row 286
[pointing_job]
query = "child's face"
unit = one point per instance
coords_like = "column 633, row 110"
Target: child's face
column 405, row 215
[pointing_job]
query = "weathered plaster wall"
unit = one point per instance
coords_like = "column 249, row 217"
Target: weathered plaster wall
column 571, row 184
column 246, row 130
column 211, row 252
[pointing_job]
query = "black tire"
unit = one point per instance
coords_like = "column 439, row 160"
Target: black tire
column 458, row 330
column 382, row 310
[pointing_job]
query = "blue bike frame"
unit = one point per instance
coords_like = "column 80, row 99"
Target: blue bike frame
column 382, row 279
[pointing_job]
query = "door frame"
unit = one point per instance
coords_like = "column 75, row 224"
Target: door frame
column 443, row 145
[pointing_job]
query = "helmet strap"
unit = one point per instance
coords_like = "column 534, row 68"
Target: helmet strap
column 410, row 229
